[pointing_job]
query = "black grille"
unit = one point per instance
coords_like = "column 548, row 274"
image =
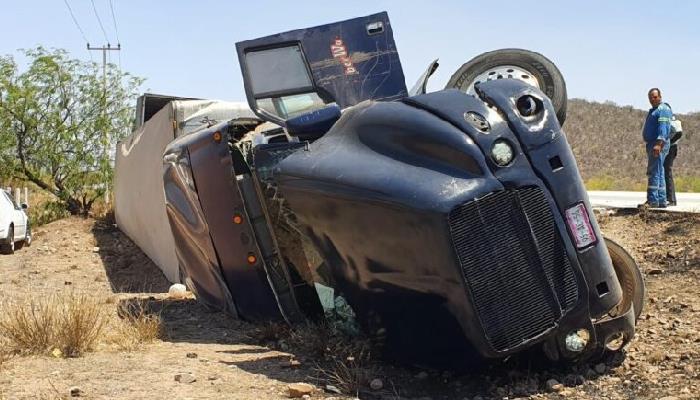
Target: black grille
column 514, row 264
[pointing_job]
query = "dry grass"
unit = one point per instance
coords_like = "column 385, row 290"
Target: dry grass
column 136, row 326
column 343, row 361
column 351, row 375
column 607, row 182
column 271, row 332
column 5, row 353
column 66, row 325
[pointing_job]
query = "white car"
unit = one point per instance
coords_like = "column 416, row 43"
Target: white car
column 15, row 231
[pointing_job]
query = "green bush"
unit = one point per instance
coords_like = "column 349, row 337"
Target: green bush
column 46, row 212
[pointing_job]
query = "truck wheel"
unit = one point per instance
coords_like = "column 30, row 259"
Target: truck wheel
column 8, row 247
column 530, row 67
column 630, row 278
column 28, row 236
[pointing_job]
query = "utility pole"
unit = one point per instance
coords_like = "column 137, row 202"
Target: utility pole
column 104, row 94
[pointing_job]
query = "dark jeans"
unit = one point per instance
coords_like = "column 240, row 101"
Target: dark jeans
column 668, row 174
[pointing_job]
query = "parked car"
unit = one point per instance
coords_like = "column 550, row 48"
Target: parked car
column 450, row 226
column 15, row 230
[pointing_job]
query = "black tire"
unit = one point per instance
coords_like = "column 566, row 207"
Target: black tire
column 28, row 236
column 8, row 246
column 548, row 76
column 630, row 278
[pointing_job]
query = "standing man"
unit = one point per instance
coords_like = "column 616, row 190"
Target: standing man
column 657, row 129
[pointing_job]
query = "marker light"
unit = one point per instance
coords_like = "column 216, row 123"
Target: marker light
column 252, row 259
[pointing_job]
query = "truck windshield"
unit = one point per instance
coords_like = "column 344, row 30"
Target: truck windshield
column 277, row 70
column 281, row 82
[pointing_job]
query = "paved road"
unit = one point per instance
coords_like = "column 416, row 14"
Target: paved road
column 687, row 202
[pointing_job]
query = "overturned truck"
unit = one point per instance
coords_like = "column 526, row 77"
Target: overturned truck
column 450, row 226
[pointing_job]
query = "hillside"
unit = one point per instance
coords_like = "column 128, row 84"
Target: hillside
column 606, row 139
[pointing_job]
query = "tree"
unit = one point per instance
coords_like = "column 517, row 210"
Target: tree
column 59, row 124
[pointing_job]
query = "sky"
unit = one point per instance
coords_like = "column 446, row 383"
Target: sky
column 606, row 50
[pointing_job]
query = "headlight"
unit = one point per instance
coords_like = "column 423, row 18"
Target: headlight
column 577, row 340
column 502, row 153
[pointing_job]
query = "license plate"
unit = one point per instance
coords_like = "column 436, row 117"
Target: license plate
column 580, row 226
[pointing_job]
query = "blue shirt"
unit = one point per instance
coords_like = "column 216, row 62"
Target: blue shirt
column 658, row 124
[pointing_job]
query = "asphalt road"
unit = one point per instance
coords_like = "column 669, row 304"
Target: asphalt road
column 687, row 202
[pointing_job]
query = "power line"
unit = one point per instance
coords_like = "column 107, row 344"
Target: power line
column 116, row 30
column 99, row 20
column 70, row 10
column 77, row 25
column 114, row 20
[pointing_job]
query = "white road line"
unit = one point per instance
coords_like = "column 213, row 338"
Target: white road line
column 687, row 202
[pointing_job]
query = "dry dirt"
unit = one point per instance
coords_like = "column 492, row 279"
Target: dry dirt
column 236, row 360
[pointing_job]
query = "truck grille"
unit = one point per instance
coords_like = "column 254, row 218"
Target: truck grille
column 514, row 263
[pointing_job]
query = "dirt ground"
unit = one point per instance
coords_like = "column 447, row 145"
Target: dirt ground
column 230, row 359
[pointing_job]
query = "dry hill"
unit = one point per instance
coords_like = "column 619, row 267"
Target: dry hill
column 607, row 141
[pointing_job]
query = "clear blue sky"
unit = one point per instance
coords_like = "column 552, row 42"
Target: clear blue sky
column 607, row 50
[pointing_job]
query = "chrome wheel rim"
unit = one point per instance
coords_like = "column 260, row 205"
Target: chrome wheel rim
column 503, row 72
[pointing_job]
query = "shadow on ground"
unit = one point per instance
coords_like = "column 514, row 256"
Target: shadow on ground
column 128, row 269
column 310, row 354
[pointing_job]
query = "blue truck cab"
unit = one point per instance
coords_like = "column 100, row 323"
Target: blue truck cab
column 454, row 224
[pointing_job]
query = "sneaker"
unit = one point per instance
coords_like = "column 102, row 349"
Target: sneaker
column 671, row 203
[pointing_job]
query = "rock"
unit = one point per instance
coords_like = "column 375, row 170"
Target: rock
column 177, row 291
column 283, row 345
column 185, row 378
column 298, row 390
column 333, row 389
column 75, row 391
column 290, row 364
column 600, row 368
column 422, row 375
column 376, row 384
column 521, row 390
column 306, row 396
column 191, row 355
column 554, row 386
column 95, row 249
